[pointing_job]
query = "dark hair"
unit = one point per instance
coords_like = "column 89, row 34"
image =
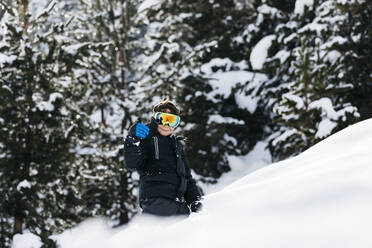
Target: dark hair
column 166, row 104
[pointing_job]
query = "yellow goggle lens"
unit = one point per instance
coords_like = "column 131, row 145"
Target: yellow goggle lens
column 166, row 118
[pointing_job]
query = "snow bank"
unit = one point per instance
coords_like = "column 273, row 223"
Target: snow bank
column 241, row 166
column 320, row 198
column 92, row 233
column 26, row 240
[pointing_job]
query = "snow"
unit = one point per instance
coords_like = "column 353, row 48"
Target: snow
column 26, row 240
column 224, row 82
column 148, row 4
column 54, row 96
column 241, row 166
column 266, row 9
column 6, row 87
column 36, row 7
column 329, row 115
column 325, row 128
column 282, row 137
column 320, row 198
column 334, row 40
column 48, row 105
column 316, row 27
column 113, row 114
column 45, row 106
column 23, row 184
column 67, row 132
column 298, row 100
column 260, row 51
column 225, row 75
column 246, row 102
column 282, row 55
column 301, row 4
column 225, row 62
column 86, row 235
column 74, row 49
column 5, row 59
column 333, row 56
column 220, row 119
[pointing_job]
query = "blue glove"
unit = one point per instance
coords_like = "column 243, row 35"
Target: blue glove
column 139, row 130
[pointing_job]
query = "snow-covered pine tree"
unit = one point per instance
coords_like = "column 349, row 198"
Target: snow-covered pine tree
column 252, row 31
column 166, row 53
column 171, row 50
column 219, row 121
column 304, row 69
column 192, row 48
column 109, row 28
column 262, row 35
column 40, row 126
column 352, row 28
column 312, row 107
column 233, row 121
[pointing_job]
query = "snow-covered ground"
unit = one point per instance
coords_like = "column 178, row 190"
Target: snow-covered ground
column 241, row 166
column 321, row 198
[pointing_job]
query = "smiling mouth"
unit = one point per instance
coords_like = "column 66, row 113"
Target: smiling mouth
column 165, row 128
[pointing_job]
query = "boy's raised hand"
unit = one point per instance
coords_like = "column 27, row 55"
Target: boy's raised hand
column 139, row 130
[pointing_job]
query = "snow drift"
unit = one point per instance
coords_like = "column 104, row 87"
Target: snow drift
column 321, row 198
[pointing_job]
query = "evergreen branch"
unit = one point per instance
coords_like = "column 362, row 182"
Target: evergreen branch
column 149, row 7
column 69, row 21
column 83, row 2
column 188, row 57
column 50, row 7
column 152, row 64
column 7, row 8
column 55, row 28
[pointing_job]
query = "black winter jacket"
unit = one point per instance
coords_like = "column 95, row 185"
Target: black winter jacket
column 163, row 166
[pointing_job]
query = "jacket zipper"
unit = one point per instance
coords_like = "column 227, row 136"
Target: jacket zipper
column 156, row 145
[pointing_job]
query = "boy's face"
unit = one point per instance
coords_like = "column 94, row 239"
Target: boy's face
column 165, row 130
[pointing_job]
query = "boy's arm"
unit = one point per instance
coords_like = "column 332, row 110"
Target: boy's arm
column 135, row 154
column 193, row 192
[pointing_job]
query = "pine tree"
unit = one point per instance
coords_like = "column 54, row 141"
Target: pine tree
column 40, row 125
column 193, row 44
column 354, row 27
column 166, row 52
column 108, row 27
column 170, row 54
column 304, row 91
column 312, row 108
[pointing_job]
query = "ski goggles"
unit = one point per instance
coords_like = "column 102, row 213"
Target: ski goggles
column 166, row 118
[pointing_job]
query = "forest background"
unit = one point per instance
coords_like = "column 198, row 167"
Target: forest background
column 76, row 74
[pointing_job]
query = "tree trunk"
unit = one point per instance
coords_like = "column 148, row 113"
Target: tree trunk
column 124, row 218
column 18, row 223
column 103, row 120
column 22, row 11
column 122, row 66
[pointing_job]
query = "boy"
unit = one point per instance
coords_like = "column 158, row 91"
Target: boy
column 166, row 185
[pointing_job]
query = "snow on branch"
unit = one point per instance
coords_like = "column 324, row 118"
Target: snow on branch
column 260, row 51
